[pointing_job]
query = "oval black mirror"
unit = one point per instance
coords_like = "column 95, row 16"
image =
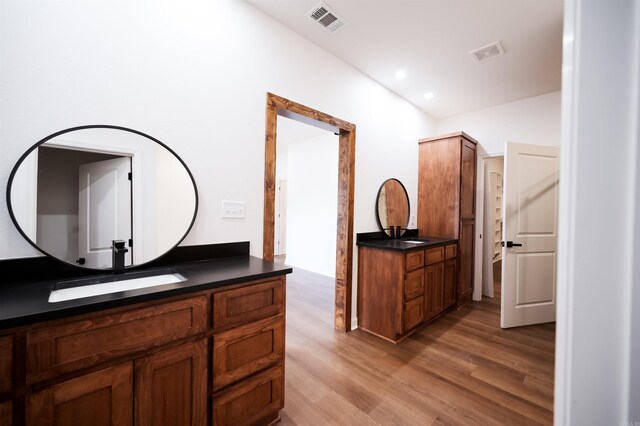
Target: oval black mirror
column 76, row 191
column 392, row 208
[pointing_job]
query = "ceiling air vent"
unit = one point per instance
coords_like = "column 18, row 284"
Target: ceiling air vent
column 326, row 17
column 486, row 52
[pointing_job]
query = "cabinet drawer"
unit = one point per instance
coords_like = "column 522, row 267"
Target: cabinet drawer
column 82, row 343
column 254, row 401
column 242, row 351
column 413, row 313
column 6, row 413
column 450, row 251
column 6, row 363
column 243, row 305
column 414, row 260
column 434, row 255
column 414, row 284
column 104, row 397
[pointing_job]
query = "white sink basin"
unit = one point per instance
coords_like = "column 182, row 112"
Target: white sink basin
column 79, row 291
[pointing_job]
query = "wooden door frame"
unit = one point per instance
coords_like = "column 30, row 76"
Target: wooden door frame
column 276, row 106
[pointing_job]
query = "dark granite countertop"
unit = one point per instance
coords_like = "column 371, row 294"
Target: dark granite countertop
column 407, row 244
column 27, row 302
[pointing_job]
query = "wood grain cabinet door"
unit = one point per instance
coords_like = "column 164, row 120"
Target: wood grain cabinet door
column 465, row 256
column 242, row 351
column 6, row 363
column 102, row 398
column 254, row 401
column 467, row 180
column 429, row 292
column 438, row 290
column 6, row 413
column 171, row 386
column 450, row 268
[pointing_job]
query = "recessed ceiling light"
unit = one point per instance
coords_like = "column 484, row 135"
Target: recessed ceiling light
column 428, row 95
column 400, row 75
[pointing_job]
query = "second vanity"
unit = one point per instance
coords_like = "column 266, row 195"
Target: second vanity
column 404, row 283
column 207, row 351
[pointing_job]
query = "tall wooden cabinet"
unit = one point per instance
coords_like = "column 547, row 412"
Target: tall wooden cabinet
column 446, row 199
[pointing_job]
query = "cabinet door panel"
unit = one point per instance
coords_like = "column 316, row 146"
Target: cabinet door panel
column 6, row 363
column 254, row 401
column 413, row 313
column 465, row 261
column 438, row 290
column 103, row 398
column 171, row 386
column 6, row 413
column 467, row 180
column 413, row 284
column 243, row 305
column 77, row 344
column 450, row 268
column 429, row 292
column 242, row 351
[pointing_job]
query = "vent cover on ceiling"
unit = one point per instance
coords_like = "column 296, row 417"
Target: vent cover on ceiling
column 486, row 52
column 326, row 17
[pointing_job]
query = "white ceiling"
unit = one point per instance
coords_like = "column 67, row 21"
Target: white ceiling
column 431, row 39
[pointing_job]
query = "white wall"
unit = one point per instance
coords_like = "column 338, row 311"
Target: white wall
column 193, row 74
column 597, row 378
column 312, row 204
column 533, row 120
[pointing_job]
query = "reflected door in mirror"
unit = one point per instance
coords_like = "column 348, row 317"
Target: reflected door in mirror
column 153, row 211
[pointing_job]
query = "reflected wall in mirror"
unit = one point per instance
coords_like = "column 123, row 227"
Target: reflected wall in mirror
column 74, row 192
column 392, row 208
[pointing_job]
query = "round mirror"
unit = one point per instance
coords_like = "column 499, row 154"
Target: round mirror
column 392, row 208
column 76, row 191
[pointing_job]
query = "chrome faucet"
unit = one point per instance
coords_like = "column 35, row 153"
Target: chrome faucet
column 118, row 250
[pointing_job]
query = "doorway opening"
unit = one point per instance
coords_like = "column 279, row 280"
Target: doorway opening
column 278, row 106
column 492, row 219
column 306, row 197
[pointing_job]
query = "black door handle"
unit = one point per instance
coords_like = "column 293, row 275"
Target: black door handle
column 511, row 244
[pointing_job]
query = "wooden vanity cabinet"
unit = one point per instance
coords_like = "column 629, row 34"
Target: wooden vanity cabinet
column 170, row 362
column 400, row 291
column 446, row 200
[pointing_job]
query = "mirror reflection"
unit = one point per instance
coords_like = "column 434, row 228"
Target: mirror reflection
column 392, row 208
column 76, row 191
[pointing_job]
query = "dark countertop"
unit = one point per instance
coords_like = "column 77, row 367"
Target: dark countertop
column 27, row 302
column 404, row 246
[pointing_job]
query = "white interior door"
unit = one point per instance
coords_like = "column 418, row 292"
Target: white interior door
column 530, row 224
column 104, row 212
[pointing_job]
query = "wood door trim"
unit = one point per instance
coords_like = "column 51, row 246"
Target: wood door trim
column 277, row 105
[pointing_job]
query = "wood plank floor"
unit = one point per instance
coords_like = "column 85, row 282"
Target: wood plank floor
column 461, row 369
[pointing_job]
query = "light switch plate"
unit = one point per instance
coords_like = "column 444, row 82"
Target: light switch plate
column 233, row 209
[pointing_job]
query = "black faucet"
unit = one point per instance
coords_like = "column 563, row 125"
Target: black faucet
column 118, row 250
